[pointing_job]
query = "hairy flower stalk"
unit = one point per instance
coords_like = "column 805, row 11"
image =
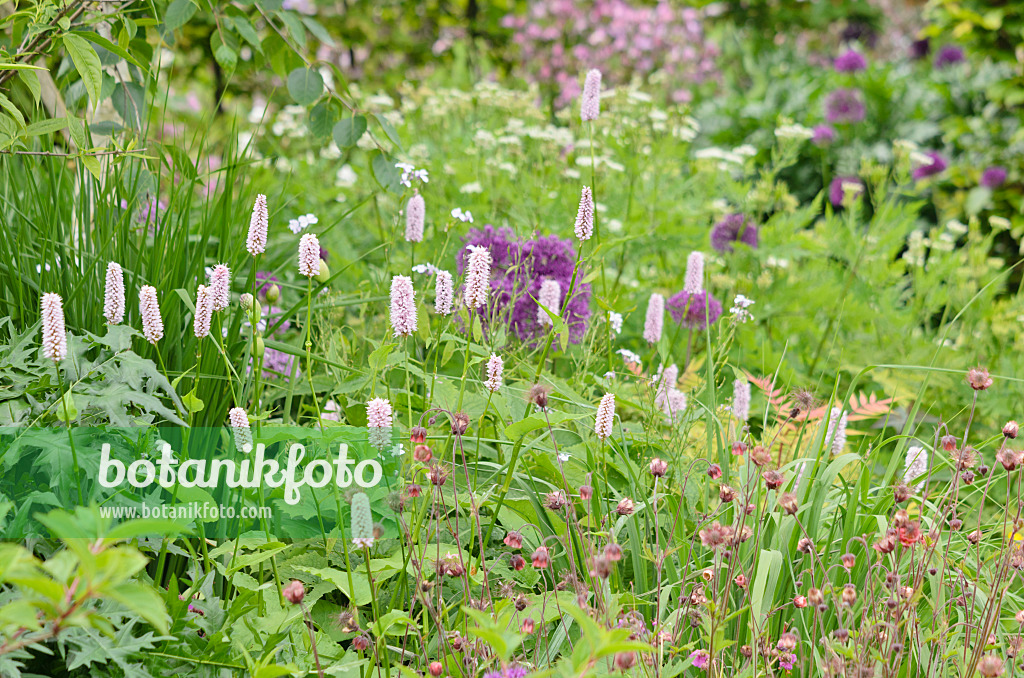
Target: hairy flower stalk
column 605, row 419
column 915, row 466
column 478, row 277
column 239, row 422
column 113, row 294
column 694, row 281
column 256, row 241
column 55, row 341
column 495, row 367
column 550, row 298
column 590, row 103
column 415, row 216
column 741, row 399
column 204, row 312
column 220, row 285
column 309, row 255
column 443, row 293
column 835, row 436
column 584, row 226
column 362, row 521
column 149, row 309
column 403, row 306
column 655, row 319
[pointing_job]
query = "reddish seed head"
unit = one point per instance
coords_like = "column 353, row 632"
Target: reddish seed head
column 815, row 596
column 849, row 595
column 990, row 666
column 805, row 545
column 460, row 422
column 436, row 669
column 422, row 454
column 556, row 501
column 625, row 660
column 361, row 643
column 714, row 471
column 438, row 475
column 788, row 503
column 658, row 467
column 294, row 592
column 787, row 641
column 726, row 493
column 625, row 507
column 760, row 455
column 1011, row 429
column 978, row 378
column 773, row 479
column 901, row 493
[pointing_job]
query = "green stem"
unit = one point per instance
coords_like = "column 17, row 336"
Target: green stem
column 71, row 439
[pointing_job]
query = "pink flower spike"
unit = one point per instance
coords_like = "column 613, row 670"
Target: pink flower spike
column 204, row 312
column 443, row 293
column 239, row 422
column 549, row 297
column 256, row 241
column 415, row 216
column 590, row 104
column 605, row 421
column 403, row 306
column 309, row 256
column 694, row 281
column 220, row 285
column 584, row 227
column 495, row 367
column 113, row 294
column 378, row 413
column 55, row 340
column 655, row 320
column 478, row 277
column 149, row 309
column 741, row 399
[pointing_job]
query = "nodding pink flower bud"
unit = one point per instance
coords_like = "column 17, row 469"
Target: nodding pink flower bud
column 590, row 103
column 403, row 306
column 655, row 320
column 836, row 433
column 256, row 242
column 415, row 215
column 800, row 601
column 741, row 399
column 714, row 471
column 1011, row 429
column 613, row 552
column 149, row 309
column 527, row 626
column 495, row 366
column 517, row 562
column 584, row 227
column 361, row 642
column 625, row 507
column 309, row 255
column 849, row 560
column 113, row 294
column 478, row 277
column 625, row 660
column 239, row 422
column 378, row 413
column 549, row 297
column 436, row 669
column 204, row 312
column 658, row 467
column 540, row 557
column 55, row 340
column 586, row 492
column 693, row 283
column 294, row 592
column 220, row 285
column 443, row 293
column 605, row 416
column 514, row 539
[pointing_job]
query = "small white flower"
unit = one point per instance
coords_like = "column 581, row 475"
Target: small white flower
column 463, row 216
column 629, row 356
column 563, row 457
column 429, row 269
column 472, row 187
column 739, row 309
column 398, row 450
column 615, row 320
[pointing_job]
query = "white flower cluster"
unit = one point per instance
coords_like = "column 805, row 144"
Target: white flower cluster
column 409, row 173
column 302, row 223
column 739, row 310
column 463, row 216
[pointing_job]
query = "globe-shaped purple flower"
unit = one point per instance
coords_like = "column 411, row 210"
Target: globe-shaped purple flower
column 823, row 135
column 845, row 106
column 850, row 61
column 694, row 311
column 930, row 169
column 733, row 228
column 841, row 185
column 993, row 177
column 919, row 49
column 948, row 55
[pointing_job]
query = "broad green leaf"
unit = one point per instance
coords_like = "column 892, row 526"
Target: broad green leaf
column 46, row 126
column 192, row 402
column 349, row 130
column 388, row 129
column 143, row 601
column 305, row 85
column 178, row 14
column 87, row 62
column 31, row 80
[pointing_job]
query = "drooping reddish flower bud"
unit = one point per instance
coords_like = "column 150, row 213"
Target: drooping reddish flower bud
column 294, row 592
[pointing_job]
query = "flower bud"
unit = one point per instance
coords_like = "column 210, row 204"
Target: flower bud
column 658, row 467
column 527, row 626
column 586, row 492
column 849, row 595
column 1011, row 429
column 294, row 592
column 325, row 273
column 418, row 435
column 260, row 347
column 436, row 669
column 274, row 292
column 815, row 596
column 800, row 601
column 714, row 471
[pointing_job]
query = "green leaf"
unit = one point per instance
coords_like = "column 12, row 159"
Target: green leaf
column 385, row 172
column 388, row 129
column 31, row 80
column 192, row 402
column 178, row 14
column 305, row 85
column 111, row 47
column 295, row 28
column 322, row 118
column 87, row 62
column 143, row 601
column 226, row 57
column 244, row 28
column 66, row 411
column 9, row 106
column 348, row 131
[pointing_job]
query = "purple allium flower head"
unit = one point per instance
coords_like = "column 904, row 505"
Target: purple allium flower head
column 936, row 166
column 850, row 62
column 840, row 185
column 919, row 49
column 590, row 104
column 694, row 311
column 500, row 242
column 734, row 227
column 948, row 55
column 845, row 106
column 993, row 177
column 824, row 135
column 654, row 322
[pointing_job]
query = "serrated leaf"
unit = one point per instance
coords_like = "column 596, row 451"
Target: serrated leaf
column 348, row 131
column 305, row 85
column 87, row 63
column 143, row 601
